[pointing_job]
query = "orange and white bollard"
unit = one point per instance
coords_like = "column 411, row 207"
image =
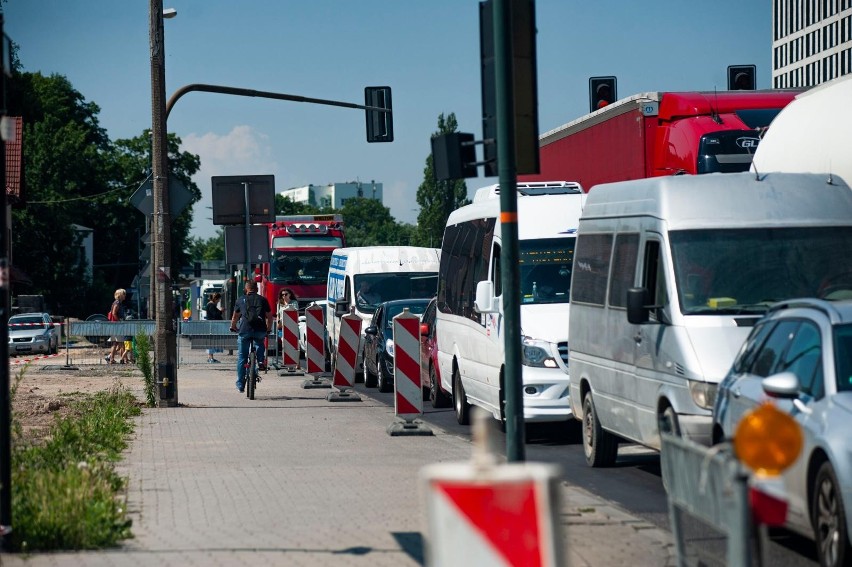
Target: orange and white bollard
column 315, row 347
column 290, row 340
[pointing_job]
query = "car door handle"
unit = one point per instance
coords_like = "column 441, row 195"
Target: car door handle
column 638, row 338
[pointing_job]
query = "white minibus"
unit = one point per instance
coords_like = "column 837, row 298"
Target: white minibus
column 670, row 274
column 469, row 333
column 365, row 276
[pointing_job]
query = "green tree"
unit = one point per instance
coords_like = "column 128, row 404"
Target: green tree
column 437, row 199
column 369, row 223
column 209, row 249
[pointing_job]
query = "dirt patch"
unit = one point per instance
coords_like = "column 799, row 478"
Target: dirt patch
column 40, row 394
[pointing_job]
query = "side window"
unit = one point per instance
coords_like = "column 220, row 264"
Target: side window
column 654, row 278
column 623, row 268
column 751, row 346
column 804, row 359
column 496, row 272
column 591, row 268
column 776, row 344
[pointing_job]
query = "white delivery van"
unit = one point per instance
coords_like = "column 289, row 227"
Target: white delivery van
column 469, row 333
column 671, row 273
column 366, row 276
column 206, row 290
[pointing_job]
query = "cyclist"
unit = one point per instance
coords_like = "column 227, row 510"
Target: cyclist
column 254, row 315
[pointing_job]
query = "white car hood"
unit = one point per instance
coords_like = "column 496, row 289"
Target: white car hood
column 715, row 348
column 547, row 321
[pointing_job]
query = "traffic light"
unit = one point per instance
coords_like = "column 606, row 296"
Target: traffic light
column 602, row 91
column 741, row 77
column 196, row 269
column 379, row 123
column 453, row 156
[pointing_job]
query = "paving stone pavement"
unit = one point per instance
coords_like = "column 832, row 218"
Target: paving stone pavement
column 293, row 479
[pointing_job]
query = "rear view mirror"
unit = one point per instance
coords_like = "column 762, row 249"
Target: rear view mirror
column 484, row 302
column 637, row 312
column 341, row 307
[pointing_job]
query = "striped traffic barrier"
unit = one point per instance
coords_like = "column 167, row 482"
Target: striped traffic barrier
column 408, row 391
column 343, row 379
column 290, row 340
column 484, row 513
column 315, row 347
column 34, row 358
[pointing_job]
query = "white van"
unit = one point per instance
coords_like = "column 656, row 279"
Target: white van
column 670, row 274
column 469, row 333
column 366, row 276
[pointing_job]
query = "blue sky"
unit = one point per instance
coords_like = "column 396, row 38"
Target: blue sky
column 426, row 51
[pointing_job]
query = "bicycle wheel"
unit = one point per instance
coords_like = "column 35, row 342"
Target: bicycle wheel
column 251, row 376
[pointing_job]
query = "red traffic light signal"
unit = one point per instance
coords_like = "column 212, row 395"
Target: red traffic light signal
column 742, row 77
column 602, row 91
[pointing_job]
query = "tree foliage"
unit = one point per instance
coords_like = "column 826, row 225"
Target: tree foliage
column 437, row 199
column 76, row 178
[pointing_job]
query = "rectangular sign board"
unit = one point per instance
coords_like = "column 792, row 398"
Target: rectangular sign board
column 235, row 244
column 229, row 199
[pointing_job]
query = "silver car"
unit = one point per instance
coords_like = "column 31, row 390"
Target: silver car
column 800, row 355
column 32, row 333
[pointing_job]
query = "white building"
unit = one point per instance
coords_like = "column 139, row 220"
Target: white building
column 334, row 195
column 811, row 41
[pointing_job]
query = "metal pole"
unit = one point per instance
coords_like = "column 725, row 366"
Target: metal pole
column 165, row 346
column 248, row 232
column 509, row 255
column 5, row 396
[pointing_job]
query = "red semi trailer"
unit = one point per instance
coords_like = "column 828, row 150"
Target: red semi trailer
column 657, row 133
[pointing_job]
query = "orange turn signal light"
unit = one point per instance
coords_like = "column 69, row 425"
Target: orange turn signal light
column 767, row 440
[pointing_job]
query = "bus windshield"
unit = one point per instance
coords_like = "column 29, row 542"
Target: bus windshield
column 293, row 268
column 746, row 270
column 545, row 266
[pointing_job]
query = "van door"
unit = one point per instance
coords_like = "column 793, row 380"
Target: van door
column 652, row 362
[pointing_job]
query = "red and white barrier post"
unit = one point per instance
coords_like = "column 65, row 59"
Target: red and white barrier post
column 408, row 391
column 315, row 346
column 348, row 342
column 290, row 340
column 482, row 513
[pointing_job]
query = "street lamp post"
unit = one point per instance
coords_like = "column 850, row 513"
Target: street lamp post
column 165, row 347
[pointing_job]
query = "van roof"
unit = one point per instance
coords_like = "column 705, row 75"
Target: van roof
column 550, row 212
column 375, row 259
column 726, row 200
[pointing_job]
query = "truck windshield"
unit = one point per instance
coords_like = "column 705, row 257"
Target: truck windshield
column 292, row 268
column 728, row 151
column 545, row 266
column 372, row 289
column 745, row 270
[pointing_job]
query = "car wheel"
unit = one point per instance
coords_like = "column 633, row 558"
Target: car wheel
column 829, row 519
column 460, row 400
column 370, row 378
column 668, row 423
column 385, row 382
column 437, row 396
column 599, row 446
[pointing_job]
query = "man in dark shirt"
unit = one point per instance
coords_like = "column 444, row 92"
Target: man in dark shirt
column 249, row 331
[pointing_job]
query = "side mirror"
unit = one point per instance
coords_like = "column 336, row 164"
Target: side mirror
column 424, row 329
column 484, row 302
column 341, row 307
column 784, row 385
column 371, row 330
column 637, row 312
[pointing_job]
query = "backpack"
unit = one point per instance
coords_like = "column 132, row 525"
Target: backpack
column 254, row 313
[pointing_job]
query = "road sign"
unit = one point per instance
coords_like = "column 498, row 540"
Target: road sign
column 229, row 199
column 179, row 197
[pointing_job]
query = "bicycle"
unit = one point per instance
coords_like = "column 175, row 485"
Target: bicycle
column 252, row 372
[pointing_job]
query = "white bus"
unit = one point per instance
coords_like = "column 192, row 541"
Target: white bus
column 469, row 332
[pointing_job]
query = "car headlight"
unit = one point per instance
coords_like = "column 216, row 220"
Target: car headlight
column 40, row 338
column 703, row 393
column 536, row 353
column 389, row 347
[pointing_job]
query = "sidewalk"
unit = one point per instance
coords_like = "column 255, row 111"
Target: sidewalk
column 292, row 479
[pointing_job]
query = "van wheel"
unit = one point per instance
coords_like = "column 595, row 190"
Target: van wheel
column 600, row 447
column 668, row 422
column 829, row 518
column 460, row 400
column 385, row 381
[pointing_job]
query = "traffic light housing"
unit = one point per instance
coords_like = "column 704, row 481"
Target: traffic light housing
column 602, row 91
column 742, row 77
column 379, row 122
column 453, row 156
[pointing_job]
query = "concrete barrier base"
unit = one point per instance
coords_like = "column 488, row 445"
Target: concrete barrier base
column 400, row 427
column 344, row 396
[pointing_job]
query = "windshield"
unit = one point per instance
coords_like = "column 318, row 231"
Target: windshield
column 306, row 241
column 745, row 270
column 294, row 268
column 728, row 151
column 372, row 289
column 545, row 266
column 27, row 321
